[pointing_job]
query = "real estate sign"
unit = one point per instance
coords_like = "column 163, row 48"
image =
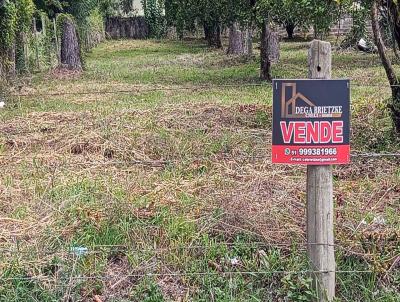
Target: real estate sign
column 311, row 122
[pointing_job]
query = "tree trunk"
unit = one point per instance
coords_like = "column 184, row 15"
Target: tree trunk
column 265, row 69
column 387, row 64
column 394, row 18
column 290, row 30
column 70, row 49
column 212, row 33
column 317, row 34
column 269, row 50
column 249, row 40
column 395, row 108
column 206, row 32
column 236, row 40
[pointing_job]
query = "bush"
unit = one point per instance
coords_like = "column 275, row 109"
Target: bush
column 91, row 30
column 359, row 29
column 41, row 45
column 25, row 10
column 8, row 22
column 153, row 12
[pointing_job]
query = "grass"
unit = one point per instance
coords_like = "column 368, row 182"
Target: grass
column 169, row 194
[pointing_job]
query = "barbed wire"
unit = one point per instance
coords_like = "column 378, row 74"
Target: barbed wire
column 185, row 274
column 57, row 167
column 95, row 249
column 77, row 252
column 140, row 162
column 371, row 154
column 122, row 248
column 142, row 88
column 163, row 163
column 83, row 251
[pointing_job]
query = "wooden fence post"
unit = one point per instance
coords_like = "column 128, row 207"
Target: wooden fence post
column 320, row 236
column 35, row 34
column 56, row 42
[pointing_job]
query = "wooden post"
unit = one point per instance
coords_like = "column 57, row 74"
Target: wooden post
column 320, row 237
column 56, row 41
column 35, row 34
column 44, row 24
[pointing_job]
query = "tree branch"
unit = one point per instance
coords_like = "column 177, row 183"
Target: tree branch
column 387, row 64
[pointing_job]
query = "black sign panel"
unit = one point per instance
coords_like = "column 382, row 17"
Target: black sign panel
column 311, row 122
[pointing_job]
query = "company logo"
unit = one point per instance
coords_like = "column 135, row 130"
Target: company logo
column 296, row 105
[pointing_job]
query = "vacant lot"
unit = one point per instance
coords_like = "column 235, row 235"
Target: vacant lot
column 148, row 178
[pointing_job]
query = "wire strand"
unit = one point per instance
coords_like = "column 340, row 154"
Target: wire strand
column 144, row 89
column 141, row 88
column 182, row 274
column 124, row 248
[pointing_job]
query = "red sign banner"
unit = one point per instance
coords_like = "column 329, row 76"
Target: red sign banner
column 311, row 122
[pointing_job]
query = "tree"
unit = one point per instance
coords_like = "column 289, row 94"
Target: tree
column 269, row 43
column 210, row 15
column 86, row 16
column 237, row 40
column 8, row 23
column 153, row 12
column 394, row 80
column 79, row 9
column 15, row 22
column 322, row 14
column 181, row 14
column 25, row 10
column 269, row 50
column 239, row 16
column 70, row 48
column 187, row 14
column 359, row 11
column 290, row 14
column 51, row 7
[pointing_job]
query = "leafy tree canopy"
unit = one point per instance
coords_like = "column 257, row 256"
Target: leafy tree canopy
column 79, row 9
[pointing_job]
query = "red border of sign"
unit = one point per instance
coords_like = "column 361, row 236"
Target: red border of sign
column 280, row 156
column 309, row 90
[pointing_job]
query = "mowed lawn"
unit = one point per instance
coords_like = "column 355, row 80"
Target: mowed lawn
column 148, row 178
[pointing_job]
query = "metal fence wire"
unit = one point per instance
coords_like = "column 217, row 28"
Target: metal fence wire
column 149, row 88
column 75, row 256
